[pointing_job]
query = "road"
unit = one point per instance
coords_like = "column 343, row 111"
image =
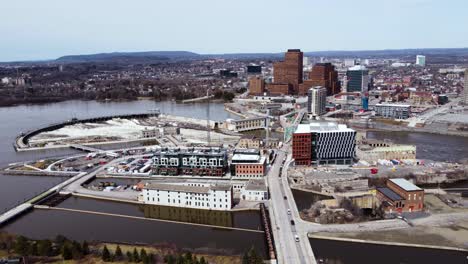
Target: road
column 289, row 251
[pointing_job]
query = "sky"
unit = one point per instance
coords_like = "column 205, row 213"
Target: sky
column 48, row 29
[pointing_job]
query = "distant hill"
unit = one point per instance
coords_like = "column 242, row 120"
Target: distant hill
column 389, row 52
column 146, row 56
column 158, row 56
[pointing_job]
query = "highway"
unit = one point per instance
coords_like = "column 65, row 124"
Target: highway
column 289, row 250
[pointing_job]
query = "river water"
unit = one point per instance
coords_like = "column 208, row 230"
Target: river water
column 340, row 252
column 43, row 223
column 428, row 146
column 17, row 119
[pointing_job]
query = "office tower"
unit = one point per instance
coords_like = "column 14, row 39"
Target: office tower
column 357, row 79
column 289, row 71
column 254, row 69
column 256, row 86
column 321, row 143
column 317, row 100
column 421, row 60
column 322, row 74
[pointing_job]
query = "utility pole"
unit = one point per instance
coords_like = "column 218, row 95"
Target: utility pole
column 208, row 118
column 267, row 127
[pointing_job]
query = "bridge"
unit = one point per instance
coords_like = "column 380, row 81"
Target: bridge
column 288, row 248
column 24, row 207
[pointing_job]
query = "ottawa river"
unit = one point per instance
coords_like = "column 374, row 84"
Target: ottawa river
column 47, row 224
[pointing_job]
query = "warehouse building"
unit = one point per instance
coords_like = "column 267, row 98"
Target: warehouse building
column 400, row 195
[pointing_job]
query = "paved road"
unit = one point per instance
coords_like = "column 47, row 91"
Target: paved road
column 289, row 251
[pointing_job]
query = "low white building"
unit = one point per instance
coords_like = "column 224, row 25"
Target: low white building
column 255, row 190
column 190, row 195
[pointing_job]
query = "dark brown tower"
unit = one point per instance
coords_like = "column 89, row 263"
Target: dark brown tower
column 289, row 71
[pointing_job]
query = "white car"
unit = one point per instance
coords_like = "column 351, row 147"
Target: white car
column 296, row 237
column 289, row 211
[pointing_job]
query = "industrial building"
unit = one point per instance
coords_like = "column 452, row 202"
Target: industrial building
column 192, row 161
column 397, row 111
column 400, row 195
column 249, row 142
column 357, row 79
column 323, row 143
column 190, row 195
column 248, row 164
column 388, row 151
column 317, row 101
column 246, row 124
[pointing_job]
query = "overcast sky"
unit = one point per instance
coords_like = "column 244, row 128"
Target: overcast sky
column 47, row 29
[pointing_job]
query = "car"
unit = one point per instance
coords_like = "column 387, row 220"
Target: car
column 296, row 237
column 292, row 222
column 289, row 211
column 285, row 197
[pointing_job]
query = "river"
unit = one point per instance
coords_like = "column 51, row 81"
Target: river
column 428, row 146
column 17, row 119
column 14, row 189
column 341, row 252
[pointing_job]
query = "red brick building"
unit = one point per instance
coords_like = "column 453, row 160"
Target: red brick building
column 289, row 71
column 323, row 74
column 256, row 86
column 302, row 148
column 400, row 195
column 279, row 89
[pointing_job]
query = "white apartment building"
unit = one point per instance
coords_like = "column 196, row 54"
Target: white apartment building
column 421, row 60
column 255, row 190
column 317, row 100
column 189, row 195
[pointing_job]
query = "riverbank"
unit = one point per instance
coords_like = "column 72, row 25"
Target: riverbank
column 92, row 252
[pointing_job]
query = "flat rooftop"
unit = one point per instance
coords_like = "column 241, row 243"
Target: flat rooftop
column 394, row 105
column 256, row 185
column 405, row 185
column 185, row 188
column 322, row 126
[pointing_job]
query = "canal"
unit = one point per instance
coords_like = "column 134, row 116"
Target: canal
column 42, row 224
column 341, row 252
